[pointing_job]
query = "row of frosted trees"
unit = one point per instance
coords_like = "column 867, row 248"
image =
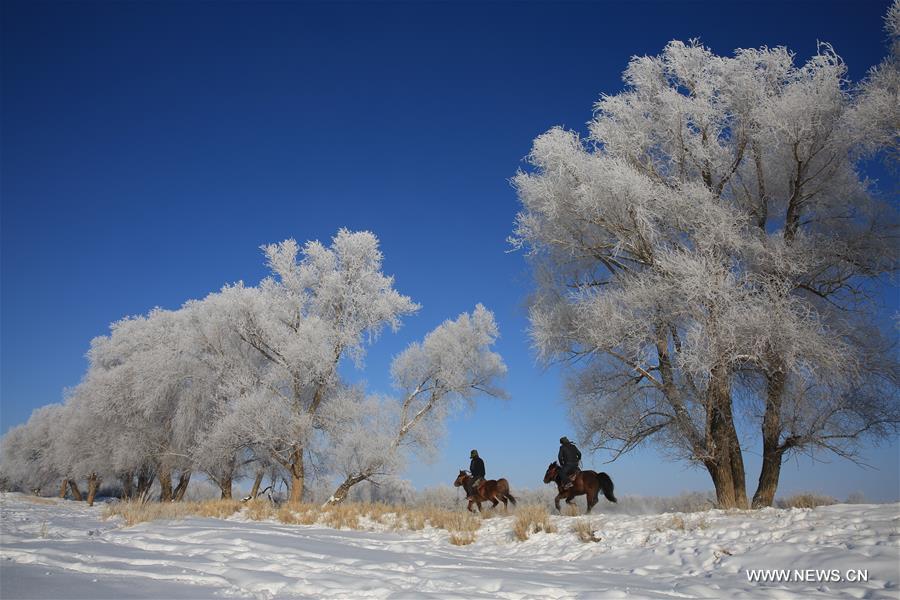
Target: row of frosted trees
column 246, row 382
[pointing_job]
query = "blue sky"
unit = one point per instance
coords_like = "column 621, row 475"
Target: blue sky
column 149, row 149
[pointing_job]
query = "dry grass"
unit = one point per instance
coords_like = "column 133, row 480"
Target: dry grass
column 462, row 538
column 138, row 512
column 259, row 509
column 806, row 500
column 461, row 525
column 675, row 522
column 570, row 510
column 532, row 519
column 217, row 509
column 584, row 529
column 678, row 523
column 413, row 519
column 296, row 514
column 343, row 516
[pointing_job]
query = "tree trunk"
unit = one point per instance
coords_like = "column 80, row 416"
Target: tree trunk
column 63, row 487
column 225, row 486
column 297, row 476
column 165, row 484
column 127, row 486
column 738, row 475
column 771, row 437
column 257, row 482
column 721, row 476
column 183, row 480
column 726, row 466
column 93, row 486
column 144, row 482
column 340, row 494
column 76, row 493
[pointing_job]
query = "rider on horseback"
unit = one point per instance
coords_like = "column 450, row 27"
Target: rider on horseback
column 476, row 469
column 569, row 457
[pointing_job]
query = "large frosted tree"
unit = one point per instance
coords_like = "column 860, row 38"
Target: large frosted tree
column 320, row 305
column 712, row 239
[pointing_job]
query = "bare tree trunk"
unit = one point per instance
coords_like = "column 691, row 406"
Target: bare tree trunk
column 183, row 480
column 165, row 484
column 225, row 486
column 76, row 493
column 297, row 476
column 771, row 436
column 144, row 482
column 127, row 485
column 63, row 487
column 738, row 475
column 726, row 467
column 721, row 476
column 257, row 482
column 340, row 494
column 93, row 486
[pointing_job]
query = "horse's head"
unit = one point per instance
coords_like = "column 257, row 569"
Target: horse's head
column 552, row 470
column 461, row 479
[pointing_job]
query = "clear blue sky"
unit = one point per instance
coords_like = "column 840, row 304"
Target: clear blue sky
column 148, row 149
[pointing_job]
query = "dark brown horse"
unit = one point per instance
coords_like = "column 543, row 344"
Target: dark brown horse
column 586, row 482
column 495, row 490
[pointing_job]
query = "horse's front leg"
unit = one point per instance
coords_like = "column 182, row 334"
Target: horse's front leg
column 556, row 502
column 470, row 506
column 478, row 503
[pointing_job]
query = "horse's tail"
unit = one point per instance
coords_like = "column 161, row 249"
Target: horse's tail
column 606, row 486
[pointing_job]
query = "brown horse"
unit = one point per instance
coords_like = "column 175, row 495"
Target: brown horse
column 495, row 490
column 586, row 482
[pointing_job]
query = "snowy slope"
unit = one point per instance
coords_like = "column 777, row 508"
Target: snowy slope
column 66, row 550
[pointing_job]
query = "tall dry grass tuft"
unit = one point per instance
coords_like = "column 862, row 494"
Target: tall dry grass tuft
column 343, row 516
column 217, row 509
column 259, row 509
column 532, row 519
column 585, row 530
column 413, row 519
column 139, row 512
column 298, row 514
column 462, row 538
column 806, row 500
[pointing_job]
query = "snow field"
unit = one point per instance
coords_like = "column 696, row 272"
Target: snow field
column 67, row 550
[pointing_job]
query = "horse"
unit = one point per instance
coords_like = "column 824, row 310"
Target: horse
column 495, row 490
column 586, row 482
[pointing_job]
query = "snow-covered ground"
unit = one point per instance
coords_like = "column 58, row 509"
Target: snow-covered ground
column 66, row 550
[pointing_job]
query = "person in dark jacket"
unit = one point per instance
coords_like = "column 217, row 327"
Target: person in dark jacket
column 476, row 469
column 569, row 457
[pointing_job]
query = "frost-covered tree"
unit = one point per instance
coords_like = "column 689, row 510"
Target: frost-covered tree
column 448, row 370
column 151, row 392
column 711, row 239
column 320, row 304
column 878, row 108
column 226, row 369
column 82, row 445
column 29, row 459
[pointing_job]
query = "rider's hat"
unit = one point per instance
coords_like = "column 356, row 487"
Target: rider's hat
column 473, row 453
column 564, row 440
